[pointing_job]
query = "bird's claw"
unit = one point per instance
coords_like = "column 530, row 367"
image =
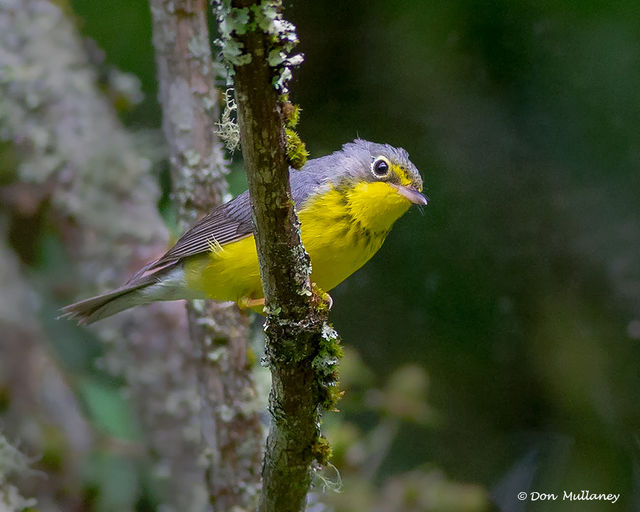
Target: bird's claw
column 247, row 303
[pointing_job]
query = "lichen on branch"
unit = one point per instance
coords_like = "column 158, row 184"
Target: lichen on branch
column 301, row 348
column 239, row 18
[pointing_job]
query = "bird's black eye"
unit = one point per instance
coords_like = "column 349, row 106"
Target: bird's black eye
column 380, row 167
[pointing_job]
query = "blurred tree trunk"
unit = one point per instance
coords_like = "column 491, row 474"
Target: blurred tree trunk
column 219, row 332
column 12, row 463
column 74, row 167
column 298, row 338
column 36, row 402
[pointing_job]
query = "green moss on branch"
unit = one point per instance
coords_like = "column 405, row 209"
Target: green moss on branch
column 301, row 348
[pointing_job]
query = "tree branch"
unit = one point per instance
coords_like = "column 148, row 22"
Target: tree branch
column 230, row 423
column 300, row 346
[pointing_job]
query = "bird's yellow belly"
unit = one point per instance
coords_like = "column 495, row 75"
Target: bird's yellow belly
column 336, row 250
column 226, row 273
column 232, row 273
column 337, row 244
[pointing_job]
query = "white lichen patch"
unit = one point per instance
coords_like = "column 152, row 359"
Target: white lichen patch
column 12, row 462
column 199, row 47
column 266, row 17
column 228, row 129
column 192, row 157
column 232, row 51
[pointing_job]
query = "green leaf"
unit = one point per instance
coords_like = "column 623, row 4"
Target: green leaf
column 108, row 409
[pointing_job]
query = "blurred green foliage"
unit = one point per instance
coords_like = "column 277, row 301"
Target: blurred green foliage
column 494, row 339
column 517, row 288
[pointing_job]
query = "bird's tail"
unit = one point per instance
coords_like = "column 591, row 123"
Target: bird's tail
column 96, row 308
column 164, row 284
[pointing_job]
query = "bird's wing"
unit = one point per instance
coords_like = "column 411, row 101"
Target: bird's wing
column 225, row 224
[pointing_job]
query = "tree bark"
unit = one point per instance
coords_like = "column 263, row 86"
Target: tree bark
column 90, row 179
column 230, row 423
column 300, row 345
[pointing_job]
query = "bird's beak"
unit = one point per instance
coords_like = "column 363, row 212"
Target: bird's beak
column 412, row 195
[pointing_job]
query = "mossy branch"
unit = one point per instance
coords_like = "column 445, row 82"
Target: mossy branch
column 257, row 41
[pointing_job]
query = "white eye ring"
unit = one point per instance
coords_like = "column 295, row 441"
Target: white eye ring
column 381, row 167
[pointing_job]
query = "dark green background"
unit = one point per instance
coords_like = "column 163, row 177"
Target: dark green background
column 518, row 289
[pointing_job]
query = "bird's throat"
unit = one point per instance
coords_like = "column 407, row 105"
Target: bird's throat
column 375, row 206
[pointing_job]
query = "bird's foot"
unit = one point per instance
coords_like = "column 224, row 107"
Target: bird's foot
column 322, row 295
column 248, row 303
column 327, row 298
column 258, row 304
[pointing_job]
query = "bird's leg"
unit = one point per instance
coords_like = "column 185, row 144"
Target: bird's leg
column 324, row 296
column 247, row 303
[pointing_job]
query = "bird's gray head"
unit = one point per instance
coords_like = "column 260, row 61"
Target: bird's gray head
column 382, row 162
column 366, row 161
column 372, row 162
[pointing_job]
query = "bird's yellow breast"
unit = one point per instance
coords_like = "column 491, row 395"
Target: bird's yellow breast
column 341, row 230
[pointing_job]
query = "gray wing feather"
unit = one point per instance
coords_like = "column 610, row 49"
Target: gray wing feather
column 225, row 224
column 230, row 222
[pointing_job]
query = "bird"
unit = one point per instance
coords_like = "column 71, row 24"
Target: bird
column 347, row 202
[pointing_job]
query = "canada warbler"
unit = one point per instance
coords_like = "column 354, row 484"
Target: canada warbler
column 347, row 203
